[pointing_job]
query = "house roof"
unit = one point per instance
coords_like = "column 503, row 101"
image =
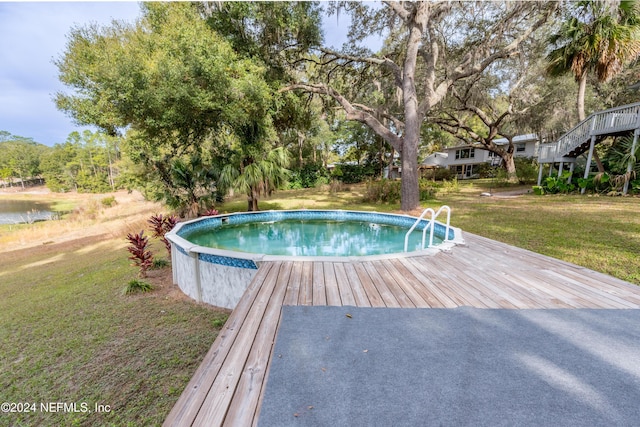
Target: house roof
column 435, row 160
column 518, row 139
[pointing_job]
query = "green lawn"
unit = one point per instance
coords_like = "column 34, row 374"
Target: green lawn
column 69, row 335
column 600, row 233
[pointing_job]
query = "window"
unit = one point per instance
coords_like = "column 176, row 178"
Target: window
column 466, row 153
column 521, row 148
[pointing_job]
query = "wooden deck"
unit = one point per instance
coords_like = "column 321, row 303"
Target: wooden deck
column 227, row 387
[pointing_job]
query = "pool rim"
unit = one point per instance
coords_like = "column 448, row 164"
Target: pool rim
column 192, row 249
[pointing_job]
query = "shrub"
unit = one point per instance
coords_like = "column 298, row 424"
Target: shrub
column 555, row 184
column 136, row 285
column 383, row 191
column 140, row 253
column 526, row 169
column 390, row 191
column 161, row 225
column 352, row 174
column 438, row 174
column 107, row 202
column 428, row 189
column 485, row 170
column 159, row 263
column 606, row 183
column 450, row 186
column 309, row 176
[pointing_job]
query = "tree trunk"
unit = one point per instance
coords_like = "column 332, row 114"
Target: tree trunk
column 252, row 201
column 410, row 194
column 582, row 115
column 410, row 199
column 300, row 144
column 510, row 166
column 581, row 91
column 596, row 158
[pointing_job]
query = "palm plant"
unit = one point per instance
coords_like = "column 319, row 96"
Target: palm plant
column 194, row 185
column 598, row 38
column 255, row 177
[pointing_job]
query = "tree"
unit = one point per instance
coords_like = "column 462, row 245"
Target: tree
column 497, row 103
column 176, row 87
column 19, row 157
column 275, row 34
column 595, row 36
column 256, row 176
column 86, row 162
column 429, row 47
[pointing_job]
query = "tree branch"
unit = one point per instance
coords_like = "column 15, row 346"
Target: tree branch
column 396, row 122
column 472, row 64
column 397, row 71
column 399, row 10
column 353, row 112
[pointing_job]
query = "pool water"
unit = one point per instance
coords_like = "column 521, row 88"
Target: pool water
column 310, row 237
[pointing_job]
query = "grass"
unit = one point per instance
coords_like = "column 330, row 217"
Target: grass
column 600, row 233
column 68, row 334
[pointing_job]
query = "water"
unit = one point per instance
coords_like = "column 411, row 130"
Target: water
column 17, row 211
column 309, row 238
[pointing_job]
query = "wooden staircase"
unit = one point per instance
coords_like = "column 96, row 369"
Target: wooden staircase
column 613, row 122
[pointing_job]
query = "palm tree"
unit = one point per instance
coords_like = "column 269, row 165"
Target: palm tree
column 257, row 176
column 599, row 37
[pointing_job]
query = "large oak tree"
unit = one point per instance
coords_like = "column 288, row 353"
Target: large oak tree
column 429, row 46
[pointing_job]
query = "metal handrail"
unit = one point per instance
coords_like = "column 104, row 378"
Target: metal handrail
column 434, row 215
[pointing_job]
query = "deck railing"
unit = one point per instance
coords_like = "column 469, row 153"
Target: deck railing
column 607, row 122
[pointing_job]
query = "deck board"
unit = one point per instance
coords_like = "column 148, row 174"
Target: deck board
column 227, row 387
column 346, row 293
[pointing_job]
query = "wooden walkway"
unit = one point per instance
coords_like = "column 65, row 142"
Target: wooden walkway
column 227, row 387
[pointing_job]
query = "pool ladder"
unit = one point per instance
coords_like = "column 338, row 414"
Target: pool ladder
column 430, row 226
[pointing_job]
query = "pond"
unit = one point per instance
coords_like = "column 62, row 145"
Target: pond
column 19, row 211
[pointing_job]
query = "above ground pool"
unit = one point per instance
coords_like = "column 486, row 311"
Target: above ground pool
column 215, row 258
column 308, row 237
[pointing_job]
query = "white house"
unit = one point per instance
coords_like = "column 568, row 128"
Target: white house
column 464, row 159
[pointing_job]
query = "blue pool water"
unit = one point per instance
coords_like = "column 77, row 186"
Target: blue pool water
column 309, row 237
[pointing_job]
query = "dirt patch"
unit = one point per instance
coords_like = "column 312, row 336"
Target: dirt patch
column 511, row 193
column 90, row 217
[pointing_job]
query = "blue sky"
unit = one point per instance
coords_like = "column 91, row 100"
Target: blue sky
column 33, row 34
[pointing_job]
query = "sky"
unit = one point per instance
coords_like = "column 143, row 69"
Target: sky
column 34, row 34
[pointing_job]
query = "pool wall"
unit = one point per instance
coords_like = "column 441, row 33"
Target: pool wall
column 220, row 277
column 209, row 278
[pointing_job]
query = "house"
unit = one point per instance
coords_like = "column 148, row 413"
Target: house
column 464, row 160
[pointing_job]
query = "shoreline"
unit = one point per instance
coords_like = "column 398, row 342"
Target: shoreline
column 88, row 218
